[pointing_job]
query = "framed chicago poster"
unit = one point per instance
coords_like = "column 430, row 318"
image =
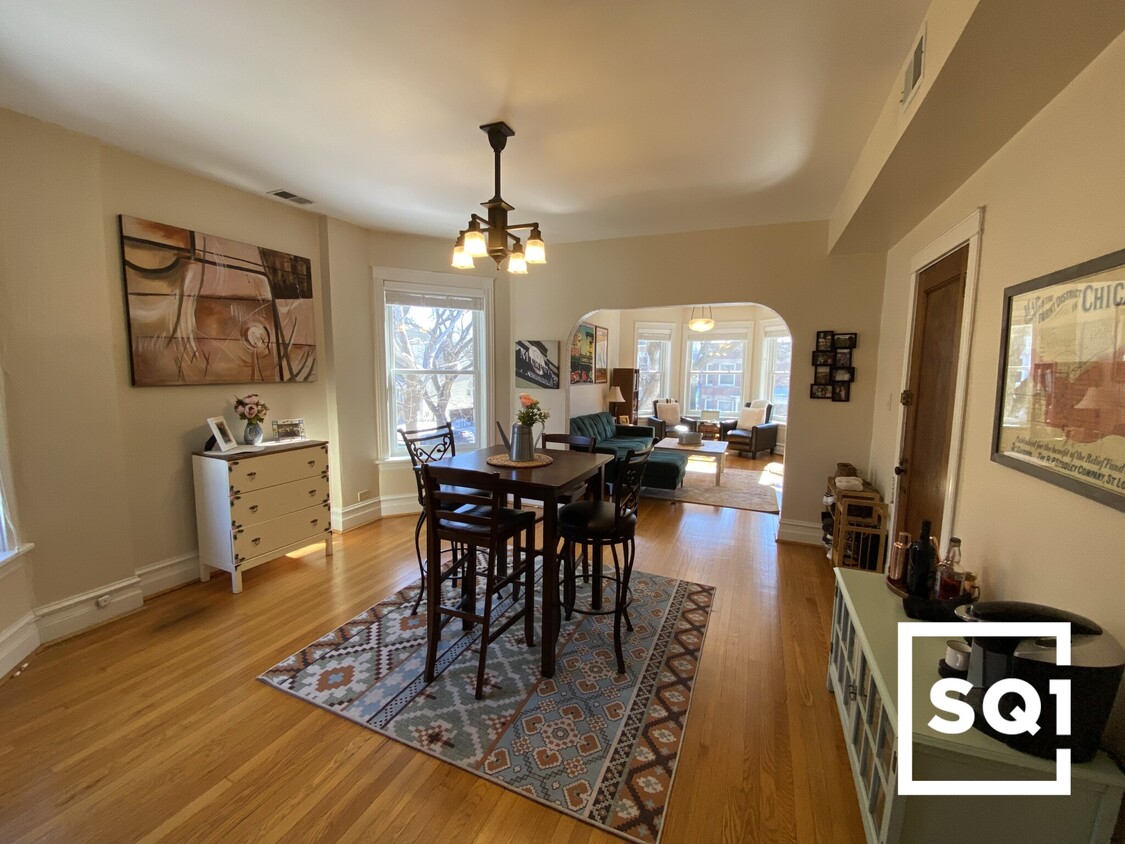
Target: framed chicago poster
column 1060, row 391
column 601, row 355
column 582, row 355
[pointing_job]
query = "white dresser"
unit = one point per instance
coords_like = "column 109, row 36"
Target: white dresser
column 253, row 507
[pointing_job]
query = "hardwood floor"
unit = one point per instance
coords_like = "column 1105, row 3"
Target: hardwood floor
column 154, row 728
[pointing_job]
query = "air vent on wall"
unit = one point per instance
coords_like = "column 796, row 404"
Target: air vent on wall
column 292, row 197
column 912, row 76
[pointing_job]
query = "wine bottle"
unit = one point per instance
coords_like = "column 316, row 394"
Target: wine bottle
column 920, row 568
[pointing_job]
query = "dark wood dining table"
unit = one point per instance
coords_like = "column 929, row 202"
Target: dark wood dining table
column 546, row 484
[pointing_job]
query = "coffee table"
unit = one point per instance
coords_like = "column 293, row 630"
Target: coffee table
column 708, row 449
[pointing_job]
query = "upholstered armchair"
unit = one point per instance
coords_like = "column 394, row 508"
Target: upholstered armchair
column 753, row 432
column 665, row 416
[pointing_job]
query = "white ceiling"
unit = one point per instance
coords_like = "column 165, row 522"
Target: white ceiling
column 630, row 117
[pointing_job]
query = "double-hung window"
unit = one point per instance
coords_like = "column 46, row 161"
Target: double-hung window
column 435, row 352
column 654, row 360
column 716, row 367
column 777, row 347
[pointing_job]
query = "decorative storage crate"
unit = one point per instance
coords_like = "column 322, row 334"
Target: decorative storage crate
column 859, row 533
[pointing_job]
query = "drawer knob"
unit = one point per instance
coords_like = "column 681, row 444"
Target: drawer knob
column 312, row 492
column 257, row 540
column 312, row 462
column 251, row 475
column 253, row 508
column 314, row 521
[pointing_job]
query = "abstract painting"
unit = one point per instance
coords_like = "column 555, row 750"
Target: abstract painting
column 207, row 310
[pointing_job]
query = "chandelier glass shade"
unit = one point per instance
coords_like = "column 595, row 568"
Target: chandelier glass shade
column 493, row 236
column 701, row 319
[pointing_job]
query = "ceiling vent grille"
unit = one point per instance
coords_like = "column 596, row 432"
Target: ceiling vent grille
column 912, row 76
column 290, row 196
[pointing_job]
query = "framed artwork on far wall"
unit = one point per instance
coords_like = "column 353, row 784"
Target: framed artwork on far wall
column 823, row 358
column 842, row 391
column 824, row 341
column 848, row 340
column 582, row 355
column 822, row 375
column 537, row 364
column 820, row 391
column 601, row 355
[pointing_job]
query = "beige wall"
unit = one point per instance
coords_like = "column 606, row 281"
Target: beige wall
column 1054, row 196
column 102, row 470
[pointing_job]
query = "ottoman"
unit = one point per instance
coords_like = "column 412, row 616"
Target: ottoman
column 665, row 469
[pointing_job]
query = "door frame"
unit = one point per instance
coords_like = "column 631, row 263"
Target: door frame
column 968, row 231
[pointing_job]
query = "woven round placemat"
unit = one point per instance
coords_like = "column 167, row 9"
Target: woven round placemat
column 507, row 462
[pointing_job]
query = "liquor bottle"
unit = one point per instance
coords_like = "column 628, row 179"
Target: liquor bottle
column 948, row 582
column 920, row 568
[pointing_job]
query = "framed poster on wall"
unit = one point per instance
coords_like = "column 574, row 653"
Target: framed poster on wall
column 1060, row 390
column 582, row 355
column 537, row 364
column 601, row 355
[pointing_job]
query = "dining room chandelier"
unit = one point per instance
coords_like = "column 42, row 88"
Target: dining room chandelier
column 491, row 236
column 704, row 322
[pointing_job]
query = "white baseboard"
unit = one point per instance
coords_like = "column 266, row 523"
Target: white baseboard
column 17, row 642
column 79, row 612
column 168, row 574
column 398, row 505
column 806, row 533
column 354, row 515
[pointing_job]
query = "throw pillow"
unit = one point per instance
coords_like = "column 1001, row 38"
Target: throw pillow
column 668, row 412
column 748, row 417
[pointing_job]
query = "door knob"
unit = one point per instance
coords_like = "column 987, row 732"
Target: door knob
column 900, row 469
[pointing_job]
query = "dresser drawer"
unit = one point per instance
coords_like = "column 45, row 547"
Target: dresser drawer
column 255, row 540
column 250, row 473
column 250, row 508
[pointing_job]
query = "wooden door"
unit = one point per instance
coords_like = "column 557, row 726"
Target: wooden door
column 923, row 466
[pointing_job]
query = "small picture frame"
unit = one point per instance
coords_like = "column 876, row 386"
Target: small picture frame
column 288, row 430
column 845, row 341
column 224, row 439
column 624, row 420
column 822, row 375
column 823, row 358
column 843, row 373
column 824, row 341
column 820, row 391
column 842, row 391
column 843, row 358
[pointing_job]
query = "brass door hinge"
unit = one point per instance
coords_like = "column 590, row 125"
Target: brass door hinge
column 906, row 399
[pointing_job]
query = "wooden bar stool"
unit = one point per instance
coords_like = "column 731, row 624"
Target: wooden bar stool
column 465, row 508
column 602, row 523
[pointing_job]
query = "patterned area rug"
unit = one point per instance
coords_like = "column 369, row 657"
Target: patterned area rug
column 597, row 745
column 743, row 489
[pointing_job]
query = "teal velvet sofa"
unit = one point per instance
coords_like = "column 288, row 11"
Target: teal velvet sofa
column 612, row 438
column 665, row 469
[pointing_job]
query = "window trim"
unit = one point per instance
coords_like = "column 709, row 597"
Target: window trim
column 440, row 284
column 767, row 330
column 658, row 328
column 733, row 330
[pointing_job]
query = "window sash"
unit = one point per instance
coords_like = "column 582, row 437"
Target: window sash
column 727, row 374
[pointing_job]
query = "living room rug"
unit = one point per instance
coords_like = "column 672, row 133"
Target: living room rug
column 597, row 745
column 743, row 489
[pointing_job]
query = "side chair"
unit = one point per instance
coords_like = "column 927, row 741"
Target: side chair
column 466, row 509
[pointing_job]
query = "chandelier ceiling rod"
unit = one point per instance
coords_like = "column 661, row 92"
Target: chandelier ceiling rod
column 471, row 243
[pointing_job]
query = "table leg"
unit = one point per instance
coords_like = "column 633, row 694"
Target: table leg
column 550, row 581
column 719, row 469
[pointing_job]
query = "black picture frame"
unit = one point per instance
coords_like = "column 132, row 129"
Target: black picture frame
column 824, row 341
column 841, row 374
column 822, row 375
column 842, row 391
column 820, row 391
column 842, row 358
column 846, row 340
column 823, row 358
column 1060, row 380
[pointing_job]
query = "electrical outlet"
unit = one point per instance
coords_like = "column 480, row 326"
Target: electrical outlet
column 363, row 495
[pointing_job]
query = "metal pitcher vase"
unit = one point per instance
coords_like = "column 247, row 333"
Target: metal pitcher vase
column 523, row 443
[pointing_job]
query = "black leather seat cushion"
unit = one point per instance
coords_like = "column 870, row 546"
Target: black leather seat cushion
column 592, row 520
column 509, row 520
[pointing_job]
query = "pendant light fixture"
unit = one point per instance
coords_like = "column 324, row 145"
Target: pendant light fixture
column 491, row 236
column 704, row 322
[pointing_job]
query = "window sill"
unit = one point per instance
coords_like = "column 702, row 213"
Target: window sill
column 10, row 556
